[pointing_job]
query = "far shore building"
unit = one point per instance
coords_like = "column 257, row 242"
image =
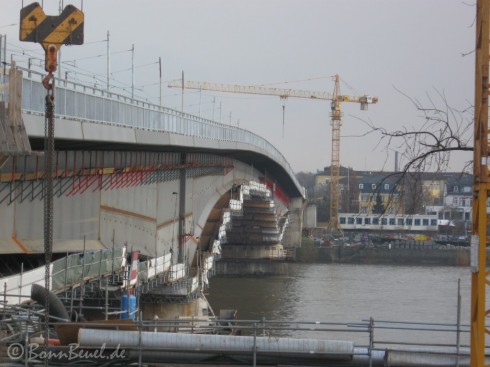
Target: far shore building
column 430, row 201
column 378, row 194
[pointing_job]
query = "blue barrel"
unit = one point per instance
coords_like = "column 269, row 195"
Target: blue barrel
column 128, row 302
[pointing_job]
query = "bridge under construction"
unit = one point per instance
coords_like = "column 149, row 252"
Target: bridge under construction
column 139, row 201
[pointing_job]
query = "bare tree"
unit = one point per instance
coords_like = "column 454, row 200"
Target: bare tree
column 428, row 146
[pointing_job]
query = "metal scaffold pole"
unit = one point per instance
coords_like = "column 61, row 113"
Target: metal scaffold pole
column 481, row 185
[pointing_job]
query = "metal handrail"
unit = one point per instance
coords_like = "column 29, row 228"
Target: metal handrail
column 89, row 103
column 374, row 353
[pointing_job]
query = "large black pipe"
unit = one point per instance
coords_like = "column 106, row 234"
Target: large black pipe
column 56, row 307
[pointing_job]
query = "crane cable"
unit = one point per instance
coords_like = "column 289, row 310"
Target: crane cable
column 48, row 83
column 292, row 81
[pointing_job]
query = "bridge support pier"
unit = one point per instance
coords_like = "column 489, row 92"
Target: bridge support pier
column 239, row 267
column 292, row 236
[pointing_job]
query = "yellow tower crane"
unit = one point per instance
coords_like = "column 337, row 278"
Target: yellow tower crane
column 336, row 115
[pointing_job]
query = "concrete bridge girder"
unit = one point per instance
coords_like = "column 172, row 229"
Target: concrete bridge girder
column 143, row 216
column 141, row 213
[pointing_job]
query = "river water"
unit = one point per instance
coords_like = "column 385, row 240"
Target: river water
column 353, row 293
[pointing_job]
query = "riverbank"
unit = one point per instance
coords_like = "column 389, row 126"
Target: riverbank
column 389, row 254
column 416, row 253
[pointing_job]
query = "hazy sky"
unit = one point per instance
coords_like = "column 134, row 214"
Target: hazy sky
column 377, row 47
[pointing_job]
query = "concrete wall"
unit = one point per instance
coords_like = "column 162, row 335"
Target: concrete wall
column 369, row 255
column 75, row 217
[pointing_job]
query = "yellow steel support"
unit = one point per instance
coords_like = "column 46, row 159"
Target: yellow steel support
column 481, row 187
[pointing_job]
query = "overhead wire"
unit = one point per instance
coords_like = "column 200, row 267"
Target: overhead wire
column 85, row 58
column 98, row 77
column 292, row 81
column 355, row 90
column 250, row 98
column 307, row 80
column 79, row 73
column 92, row 42
column 96, row 56
column 88, row 76
column 136, row 67
column 36, row 50
column 72, row 67
column 8, row 25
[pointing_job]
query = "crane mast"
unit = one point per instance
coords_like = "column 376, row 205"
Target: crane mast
column 336, row 121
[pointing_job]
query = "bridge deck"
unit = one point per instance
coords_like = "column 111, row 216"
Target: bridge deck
column 88, row 116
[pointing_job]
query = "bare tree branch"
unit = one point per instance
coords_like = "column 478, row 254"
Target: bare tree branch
column 427, row 146
column 424, row 147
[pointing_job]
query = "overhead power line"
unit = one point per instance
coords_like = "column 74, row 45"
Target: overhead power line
column 293, row 81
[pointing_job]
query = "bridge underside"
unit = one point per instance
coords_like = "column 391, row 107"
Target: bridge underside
column 162, row 204
column 262, row 164
column 157, row 202
column 74, row 135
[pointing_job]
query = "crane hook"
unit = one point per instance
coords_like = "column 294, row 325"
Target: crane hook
column 48, row 81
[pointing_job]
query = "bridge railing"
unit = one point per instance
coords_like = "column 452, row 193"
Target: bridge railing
column 69, row 271
column 82, row 102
